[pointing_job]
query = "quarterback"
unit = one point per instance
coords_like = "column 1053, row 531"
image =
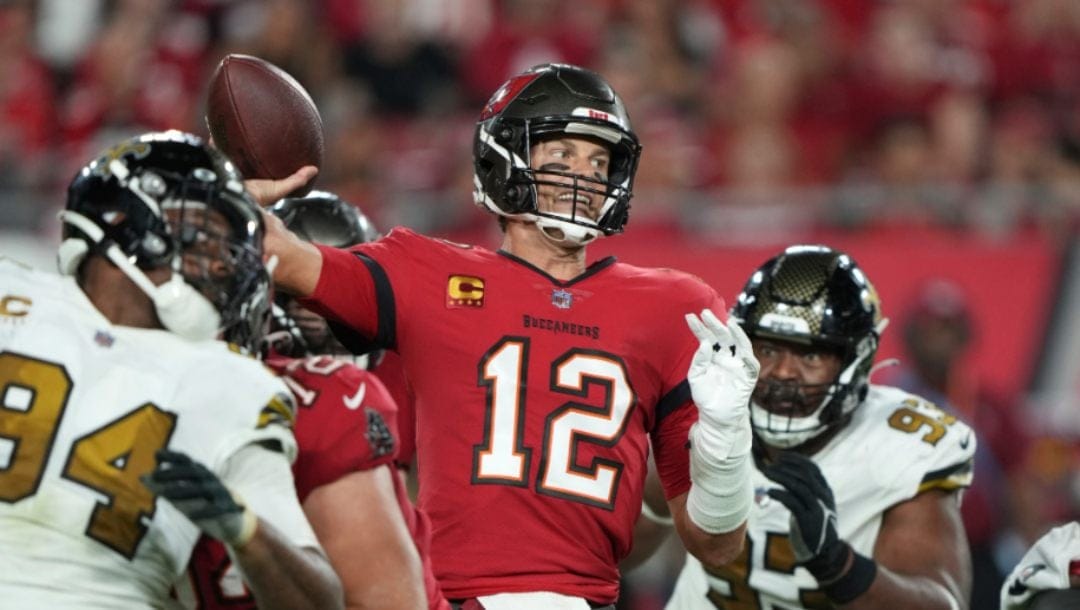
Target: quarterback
column 539, row 381
column 857, row 486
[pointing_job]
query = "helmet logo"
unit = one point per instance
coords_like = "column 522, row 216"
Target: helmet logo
column 129, row 148
column 506, row 94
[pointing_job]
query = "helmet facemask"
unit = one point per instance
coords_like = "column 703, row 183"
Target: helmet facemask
column 835, row 400
column 226, row 270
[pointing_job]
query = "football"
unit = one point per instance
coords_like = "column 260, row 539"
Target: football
column 263, row 119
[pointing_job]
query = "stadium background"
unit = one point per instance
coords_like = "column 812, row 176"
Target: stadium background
column 937, row 141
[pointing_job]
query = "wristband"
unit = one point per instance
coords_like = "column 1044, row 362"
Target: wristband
column 855, row 582
column 830, row 565
column 721, row 493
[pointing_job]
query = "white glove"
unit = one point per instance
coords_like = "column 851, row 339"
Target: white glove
column 722, row 377
column 1044, row 568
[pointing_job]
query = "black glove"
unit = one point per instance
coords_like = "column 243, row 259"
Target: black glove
column 842, row 573
column 808, row 496
column 198, row 493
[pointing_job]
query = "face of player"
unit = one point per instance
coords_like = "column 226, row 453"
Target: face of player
column 794, row 378
column 579, row 156
column 204, row 235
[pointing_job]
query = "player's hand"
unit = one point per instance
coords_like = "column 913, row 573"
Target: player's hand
column 268, row 192
column 807, row 495
column 722, row 376
column 198, row 493
column 296, row 263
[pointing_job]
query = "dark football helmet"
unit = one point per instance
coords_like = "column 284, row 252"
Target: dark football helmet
column 168, row 200
column 322, row 218
column 813, row 295
column 544, row 101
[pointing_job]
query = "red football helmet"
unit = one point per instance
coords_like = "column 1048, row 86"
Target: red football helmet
column 547, row 100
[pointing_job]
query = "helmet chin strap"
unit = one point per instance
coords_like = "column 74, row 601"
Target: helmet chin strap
column 181, row 309
column 573, row 234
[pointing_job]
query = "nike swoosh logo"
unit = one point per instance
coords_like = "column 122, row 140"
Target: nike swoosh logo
column 967, row 441
column 1017, row 588
column 353, row 402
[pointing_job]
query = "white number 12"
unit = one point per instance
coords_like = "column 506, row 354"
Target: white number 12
column 504, row 459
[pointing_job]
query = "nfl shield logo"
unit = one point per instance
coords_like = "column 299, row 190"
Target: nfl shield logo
column 562, row 299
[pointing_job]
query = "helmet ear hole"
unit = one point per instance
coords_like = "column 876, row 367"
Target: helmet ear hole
column 514, row 194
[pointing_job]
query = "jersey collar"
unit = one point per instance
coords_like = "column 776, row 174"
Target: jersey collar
column 591, row 270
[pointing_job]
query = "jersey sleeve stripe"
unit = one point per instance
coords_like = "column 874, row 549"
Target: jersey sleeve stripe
column 948, row 479
column 386, row 335
column 677, row 397
column 277, row 411
column 353, row 341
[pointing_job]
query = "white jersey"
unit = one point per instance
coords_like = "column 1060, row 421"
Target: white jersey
column 84, row 407
column 895, row 447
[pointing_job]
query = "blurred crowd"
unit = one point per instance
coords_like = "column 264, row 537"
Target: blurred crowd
column 758, row 114
column 759, row 117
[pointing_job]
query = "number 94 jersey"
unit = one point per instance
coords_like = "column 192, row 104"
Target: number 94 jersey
column 895, row 447
column 84, row 407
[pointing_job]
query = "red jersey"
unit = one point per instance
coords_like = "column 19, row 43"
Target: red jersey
column 390, row 373
column 346, row 422
column 535, row 401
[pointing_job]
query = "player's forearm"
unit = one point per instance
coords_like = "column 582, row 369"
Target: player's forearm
column 712, row 549
column 711, row 517
column 372, row 551
column 892, row 590
column 283, row 576
column 299, row 263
